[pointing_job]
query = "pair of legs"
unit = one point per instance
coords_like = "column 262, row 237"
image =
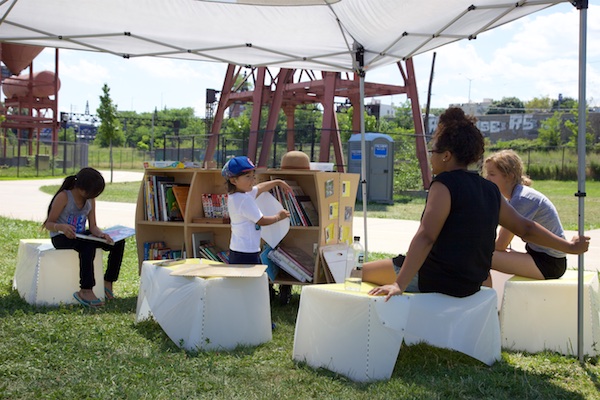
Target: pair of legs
column 87, row 253
column 533, row 264
column 384, row 272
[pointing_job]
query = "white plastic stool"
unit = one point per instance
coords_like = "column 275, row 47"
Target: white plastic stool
column 47, row 276
column 541, row 315
column 359, row 336
column 205, row 314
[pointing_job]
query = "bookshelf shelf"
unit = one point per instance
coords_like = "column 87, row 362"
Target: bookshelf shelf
column 332, row 195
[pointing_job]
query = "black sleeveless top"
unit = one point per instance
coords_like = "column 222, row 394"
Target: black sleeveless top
column 461, row 257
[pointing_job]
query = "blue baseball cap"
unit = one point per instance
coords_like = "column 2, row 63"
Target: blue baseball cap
column 237, row 166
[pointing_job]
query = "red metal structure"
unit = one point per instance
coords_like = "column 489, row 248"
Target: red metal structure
column 33, row 101
column 291, row 88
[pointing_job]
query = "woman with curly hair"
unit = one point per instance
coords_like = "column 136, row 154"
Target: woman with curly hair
column 451, row 252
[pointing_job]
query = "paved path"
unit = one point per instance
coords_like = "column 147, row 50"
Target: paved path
column 23, row 200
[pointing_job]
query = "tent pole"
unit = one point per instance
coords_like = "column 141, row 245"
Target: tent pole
column 363, row 160
column 581, row 142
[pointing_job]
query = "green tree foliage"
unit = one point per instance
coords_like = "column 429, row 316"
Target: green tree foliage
column 109, row 131
column 403, row 119
column 573, row 126
column 508, row 105
column 566, row 103
column 550, row 129
column 538, row 104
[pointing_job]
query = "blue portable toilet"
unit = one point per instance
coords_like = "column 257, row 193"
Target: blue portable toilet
column 379, row 165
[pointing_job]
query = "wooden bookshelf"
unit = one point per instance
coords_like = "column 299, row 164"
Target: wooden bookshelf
column 332, row 194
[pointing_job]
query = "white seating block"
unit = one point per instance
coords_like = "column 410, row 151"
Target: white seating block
column 359, row 336
column 206, row 314
column 47, row 276
column 540, row 315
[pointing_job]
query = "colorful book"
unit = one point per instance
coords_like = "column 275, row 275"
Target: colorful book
column 172, row 211
column 117, row 232
column 181, row 193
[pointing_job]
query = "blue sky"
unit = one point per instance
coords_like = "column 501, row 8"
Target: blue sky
column 535, row 56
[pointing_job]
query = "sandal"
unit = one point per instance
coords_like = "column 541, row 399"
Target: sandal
column 108, row 293
column 88, row 303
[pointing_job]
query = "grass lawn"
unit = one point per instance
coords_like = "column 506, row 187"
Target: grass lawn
column 70, row 352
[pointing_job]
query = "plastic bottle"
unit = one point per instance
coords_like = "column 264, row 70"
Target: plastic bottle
column 354, row 281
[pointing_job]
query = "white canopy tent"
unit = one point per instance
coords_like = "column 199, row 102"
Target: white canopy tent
column 302, row 34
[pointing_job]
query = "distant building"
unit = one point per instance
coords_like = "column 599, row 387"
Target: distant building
column 475, row 108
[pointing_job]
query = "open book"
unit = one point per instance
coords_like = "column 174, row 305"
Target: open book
column 117, row 232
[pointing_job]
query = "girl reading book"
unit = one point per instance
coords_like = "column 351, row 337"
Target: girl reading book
column 72, row 211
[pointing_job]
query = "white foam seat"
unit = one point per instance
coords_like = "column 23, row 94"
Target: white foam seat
column 359, row 336
column 48, row 276
column 540, row 315
column 206, row 314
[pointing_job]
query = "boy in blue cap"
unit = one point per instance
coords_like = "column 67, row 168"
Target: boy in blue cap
column 246, row 217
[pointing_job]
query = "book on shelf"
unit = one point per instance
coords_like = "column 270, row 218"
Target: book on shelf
column 215, row 205
column 309, row 210
column 117, row 232
column 172, row 211
column 272, row 268
column 181, row 192
column 204, row 247
column 305, row 261
column 292, row 266
column 302, row 211
column 160, row 251
column 285, row 265
column 149, row 199
column 159, row 195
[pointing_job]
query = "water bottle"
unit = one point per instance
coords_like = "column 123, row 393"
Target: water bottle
column 354, row 280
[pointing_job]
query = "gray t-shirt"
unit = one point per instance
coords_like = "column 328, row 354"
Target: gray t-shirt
column 73, row 215
column 534, row 205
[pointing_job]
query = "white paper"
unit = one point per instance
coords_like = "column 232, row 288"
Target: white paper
column 274, row 233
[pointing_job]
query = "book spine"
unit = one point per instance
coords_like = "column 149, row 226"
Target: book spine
column 298, row 210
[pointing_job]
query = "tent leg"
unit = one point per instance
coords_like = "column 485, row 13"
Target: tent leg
column 581, row 144
column 363, row 161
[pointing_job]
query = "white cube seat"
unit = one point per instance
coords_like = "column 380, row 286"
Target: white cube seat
column 206, row 314
column 540, row 315
column 359, row 336
column 48, row 276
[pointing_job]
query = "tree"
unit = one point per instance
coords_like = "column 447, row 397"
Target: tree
column 564, row 103
column 508, row 105
column 549, row 132
column 538, row 104
column 573, row 126
column 109, row 132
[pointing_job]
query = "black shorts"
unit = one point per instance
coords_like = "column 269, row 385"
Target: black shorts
column 550, row 267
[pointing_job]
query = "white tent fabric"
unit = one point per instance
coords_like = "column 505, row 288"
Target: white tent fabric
column 308, row 34
column 302, row 34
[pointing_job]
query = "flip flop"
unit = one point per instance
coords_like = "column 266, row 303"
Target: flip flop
column 109, row 294
column 88, row 303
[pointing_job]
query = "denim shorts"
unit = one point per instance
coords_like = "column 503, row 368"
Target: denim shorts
column 413, row 286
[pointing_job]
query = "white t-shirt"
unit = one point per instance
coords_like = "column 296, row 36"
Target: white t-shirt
column 244, row 214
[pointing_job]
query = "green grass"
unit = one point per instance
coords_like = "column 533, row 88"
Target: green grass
column 70, row 352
